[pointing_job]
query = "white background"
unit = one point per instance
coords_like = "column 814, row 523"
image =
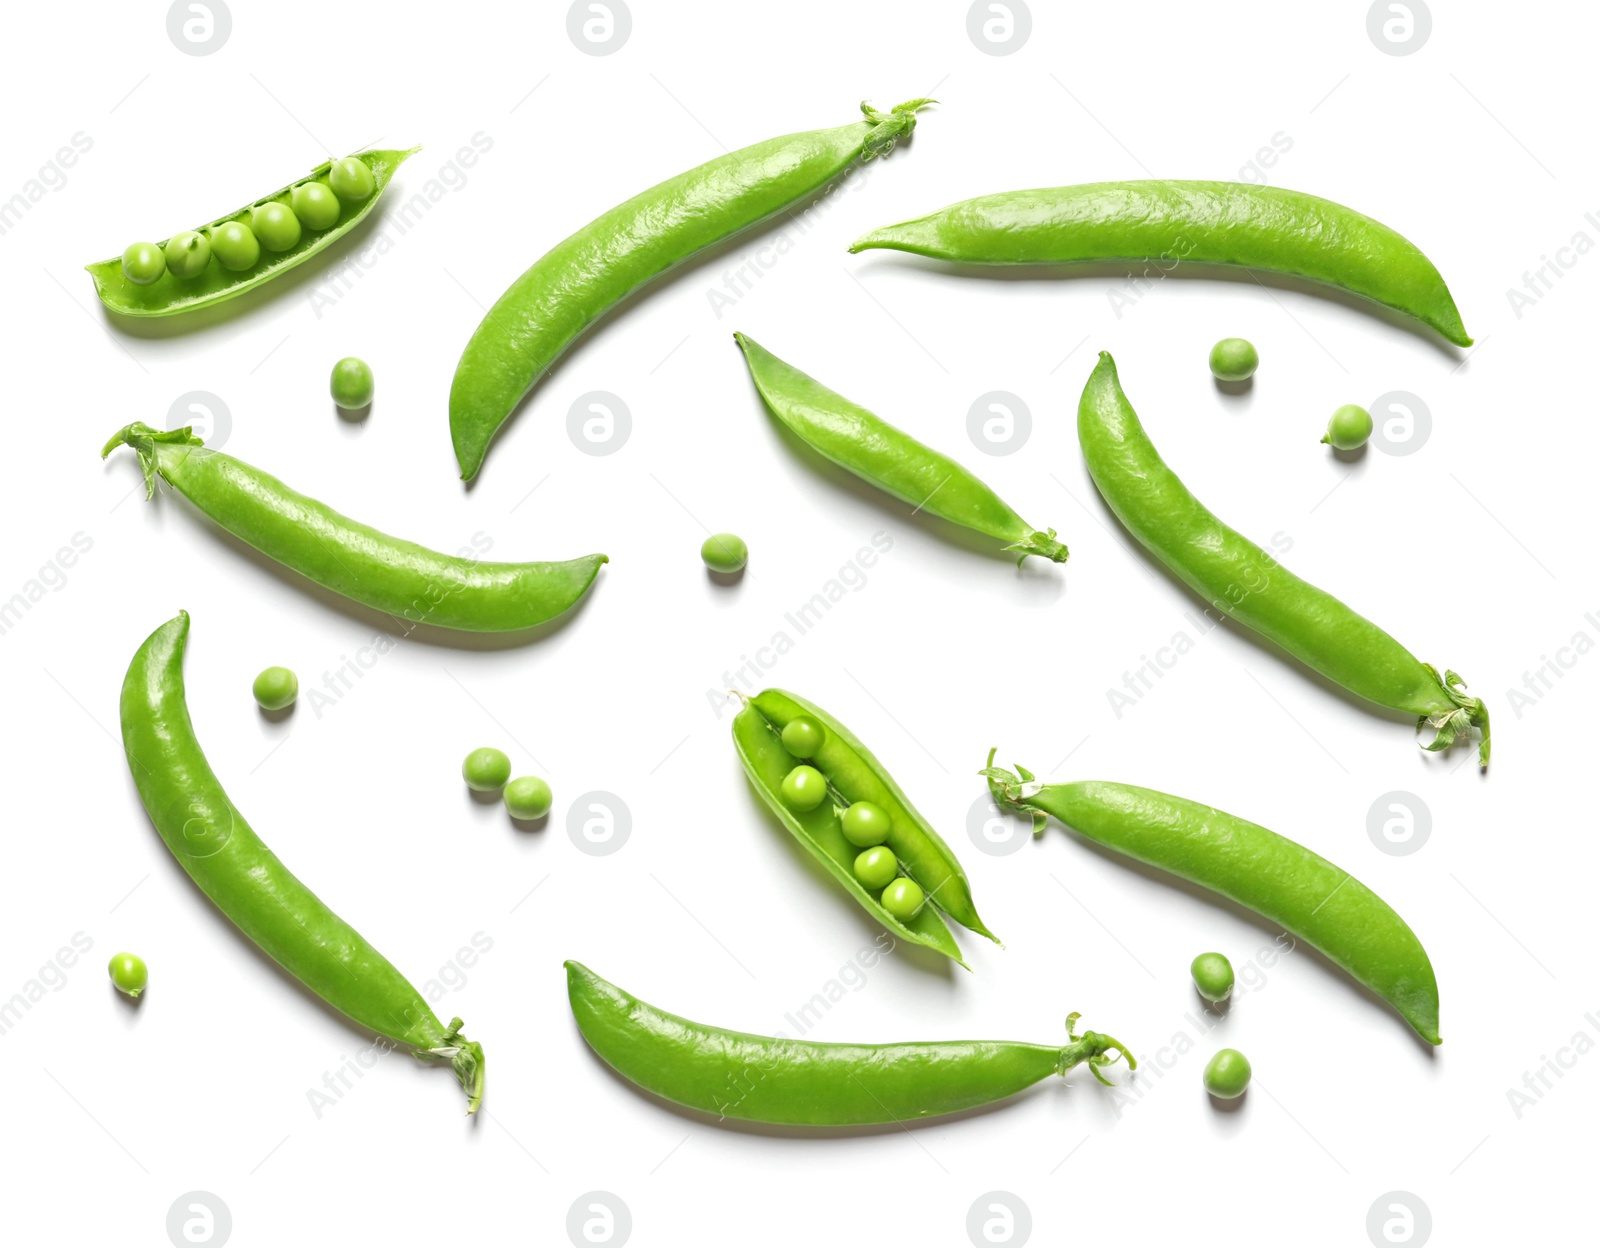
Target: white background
column 1476, row 551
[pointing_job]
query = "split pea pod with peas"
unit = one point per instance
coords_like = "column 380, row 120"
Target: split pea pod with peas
column 242, row 250
column 837, row 800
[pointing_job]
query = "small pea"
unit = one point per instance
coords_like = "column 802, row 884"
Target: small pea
column 804, row 788
column 803, row 736
column 875, row 867
column 865, row 824
column 129, row 973
column 276, row 688
column 1348, row 428
column 725, row 552
column 315, row 204
column 351, row 179
column 1227, row 1074
column 903, row 898
column 486, row 769
column 1213, row 977
column 143, row 263
column 188, row 253
column 235, row 246
column 276, row 226
column 352, row 384
column 527, row 797
column 1234, row 359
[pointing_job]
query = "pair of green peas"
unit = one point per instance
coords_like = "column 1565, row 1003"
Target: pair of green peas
column 1236, row 359
column 274, row 225
column 866, row 825
column 1227, row 1074
column 487, row 769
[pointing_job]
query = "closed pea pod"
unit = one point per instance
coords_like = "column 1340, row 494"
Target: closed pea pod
column 1235, row 575
column 845, row 771
column 564, row 292
column 1311, row 898
column 891, row 459
column 402, row 578
column 222, row 854
column 294, row 223
column 804, row 1083
column 1166, row 225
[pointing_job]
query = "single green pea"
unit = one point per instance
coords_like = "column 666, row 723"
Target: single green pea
column 804, row 788
column 725, row 552
column 865, row 824
column 1227, row 1074
column 527, row 797
column 1234, row 359
column 235, row 246
column 803, row 736
column 276, row 688
column 351, row 179
column 1213, row 977
column 486, row 769
column 315, row 204
column 352, row 384
column 875, row 867
column 903, row 898
column 1348, row 428
column 129, row 973
column 188, row 253
column 275, row 225
column 143, row 263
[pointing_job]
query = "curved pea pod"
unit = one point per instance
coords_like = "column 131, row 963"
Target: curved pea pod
column 738, row 1075
column 1311, row 898
column 572, row 285
column 170, row 294
column 1165, row 224
column 386, row 573
column 874, row 450
column 854, row 775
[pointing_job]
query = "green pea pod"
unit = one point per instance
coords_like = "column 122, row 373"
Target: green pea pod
column 854, row 775
column 1165, row 225
column 546, row 309
column 419, row 585
column 170, row 293
column 891, row 459
column 1235, row 575
column 733, row 1074
column 222, row 854
column 1305, row 894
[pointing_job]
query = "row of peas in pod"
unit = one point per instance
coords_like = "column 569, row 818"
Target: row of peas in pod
column 275, row 224
column 866, row 825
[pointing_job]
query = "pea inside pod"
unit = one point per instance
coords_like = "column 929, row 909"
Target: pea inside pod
column 839, row 775
column 251, row 246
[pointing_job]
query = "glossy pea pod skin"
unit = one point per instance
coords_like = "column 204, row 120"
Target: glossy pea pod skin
column 1167, row 224
column 212, row 841
column 754, row 1078
column 1309, row 897
column 402, row 578
column 856, row 776
column 171, row 294
column 1235, row 575
column 890, row 458
column 546, row 309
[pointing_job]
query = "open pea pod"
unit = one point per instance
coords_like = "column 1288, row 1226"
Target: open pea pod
column 169, row 293
column 854, row 775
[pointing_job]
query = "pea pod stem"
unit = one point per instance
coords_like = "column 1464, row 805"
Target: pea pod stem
column 755, row 1078
column 229, row 862
column 1309, row 897
column 401, row 578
